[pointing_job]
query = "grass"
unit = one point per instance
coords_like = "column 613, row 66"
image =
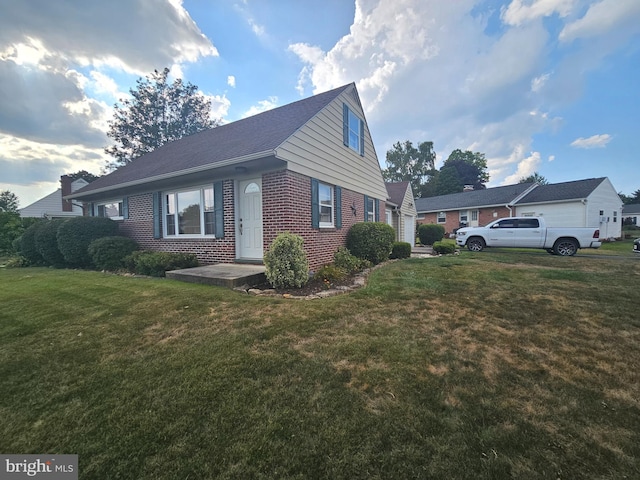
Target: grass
column 478, row 366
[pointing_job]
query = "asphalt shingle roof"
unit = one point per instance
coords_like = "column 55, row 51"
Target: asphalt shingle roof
column 396, row 191
column 476, row 198
column 555, row 192
column 252, row 135
column 633, row 208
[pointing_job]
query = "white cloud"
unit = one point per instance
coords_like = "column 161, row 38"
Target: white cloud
column 525, row 167
column 603, row 17
column 595, row 141
column 539, row 82
column 552, row 158
column 231, row 81
column 262, row 106
column 219, row 106
column 522, row 11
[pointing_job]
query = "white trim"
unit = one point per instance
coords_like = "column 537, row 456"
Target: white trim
column 332, row 193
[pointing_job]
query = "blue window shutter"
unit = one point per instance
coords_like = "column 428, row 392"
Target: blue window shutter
column 92, row 209
column 376, row 205
column 366, row 207
column 362, row 137
column 315, row 204
column 125, row 207
column 338, row 207
column 218, row 208
column 157, row 208
column 345, row 124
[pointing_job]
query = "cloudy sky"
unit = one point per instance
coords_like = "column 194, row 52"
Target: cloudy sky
column 548, row 86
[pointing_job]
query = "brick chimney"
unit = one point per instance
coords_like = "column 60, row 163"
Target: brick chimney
column 467, row 188
column 65, row 185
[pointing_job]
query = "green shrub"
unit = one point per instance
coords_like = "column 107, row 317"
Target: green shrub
column 445, row 247
column 286, row 262
column 108, row 253
column 156, row 264
column 400, row 250
column 16, row 262
column 47, row 243
column 330, row 274
column 28, row 247
column 10, row 229
column 350, row 263
column 371, row 241
column 430, row 233
column 75, row 235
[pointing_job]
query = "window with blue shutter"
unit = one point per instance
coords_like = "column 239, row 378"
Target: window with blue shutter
column 326, row 211
column 352, row 130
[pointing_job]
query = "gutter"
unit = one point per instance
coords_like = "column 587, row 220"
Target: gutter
column 166, row 176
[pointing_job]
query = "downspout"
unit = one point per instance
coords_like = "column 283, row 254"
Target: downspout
column 510, row 211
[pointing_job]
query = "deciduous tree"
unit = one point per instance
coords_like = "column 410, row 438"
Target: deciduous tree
column 406, row 163
column 157, row 113
column 534, row 177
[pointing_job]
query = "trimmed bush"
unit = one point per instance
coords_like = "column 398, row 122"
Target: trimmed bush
column 108, row 253
column 400, row 250
column 445, row 247
column 28, row 247
column 285, row 262
column 371, row 241
column 156, row 264
column 75, row 235
column 350, row 263
column 46, row 238
column 430, row 233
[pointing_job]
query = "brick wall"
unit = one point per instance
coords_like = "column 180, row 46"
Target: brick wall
column 286, row 207
column 485, row 215
column 139, row 226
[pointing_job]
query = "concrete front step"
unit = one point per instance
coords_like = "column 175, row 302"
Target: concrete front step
column 229, row 275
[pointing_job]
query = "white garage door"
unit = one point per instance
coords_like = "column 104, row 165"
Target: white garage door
column 410, row 229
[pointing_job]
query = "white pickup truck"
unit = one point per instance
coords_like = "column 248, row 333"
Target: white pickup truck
column 528, row 232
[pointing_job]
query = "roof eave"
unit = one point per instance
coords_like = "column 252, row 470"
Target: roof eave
column 166, row 176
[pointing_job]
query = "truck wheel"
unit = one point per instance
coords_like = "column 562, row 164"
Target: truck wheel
column 565, row 247
column 475, row 244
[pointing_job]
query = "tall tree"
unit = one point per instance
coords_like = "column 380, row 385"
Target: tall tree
column 471, row 168
column 406, row 163
column 89, row 177
column 448, row 181
column 8, row 201
column 634, row 198
column 534, row 177
column 157, row 113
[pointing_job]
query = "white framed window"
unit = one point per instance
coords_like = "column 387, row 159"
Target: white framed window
column 464, row 216
column 371, row 209
column 112, row 210
column 474, row 215
column 615, row 216
column 442, row 217
column 325, row 203
column 353, row 130
column 189, row 213
column 388, row 216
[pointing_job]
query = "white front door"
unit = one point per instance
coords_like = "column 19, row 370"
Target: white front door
column 410, row 230
column 249, row 229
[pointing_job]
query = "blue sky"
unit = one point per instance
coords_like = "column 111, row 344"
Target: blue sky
column 547, row 86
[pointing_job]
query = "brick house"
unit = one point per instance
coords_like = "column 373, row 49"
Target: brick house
column 308, row 168
column 591, row 202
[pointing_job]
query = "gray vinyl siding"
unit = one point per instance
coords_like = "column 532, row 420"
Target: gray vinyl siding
column 317, row 150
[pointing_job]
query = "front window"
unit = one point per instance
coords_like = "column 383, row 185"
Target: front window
column 189, row 212
column 464, row 216
column 442, row 217
column 371, row 209
column 325, row 201
column 112, row 210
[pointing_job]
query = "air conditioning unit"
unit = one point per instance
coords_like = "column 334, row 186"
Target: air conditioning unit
column 604, row 219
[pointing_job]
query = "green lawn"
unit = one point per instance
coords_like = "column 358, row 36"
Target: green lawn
column 479, row 366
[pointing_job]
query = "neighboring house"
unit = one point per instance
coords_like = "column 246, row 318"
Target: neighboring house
column 54, row 205
column 308, row 168
column 591, row 202
column 631, row 214
column 400, row 211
